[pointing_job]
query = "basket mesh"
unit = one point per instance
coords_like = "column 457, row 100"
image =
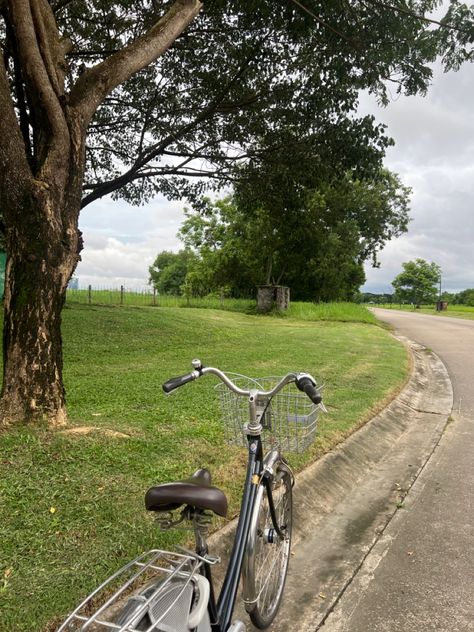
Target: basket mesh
column 289, row 419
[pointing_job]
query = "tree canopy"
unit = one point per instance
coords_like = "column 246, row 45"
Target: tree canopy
column 242, row 72
column 317, row 247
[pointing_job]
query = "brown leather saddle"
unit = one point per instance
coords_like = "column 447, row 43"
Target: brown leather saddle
column 197, row 491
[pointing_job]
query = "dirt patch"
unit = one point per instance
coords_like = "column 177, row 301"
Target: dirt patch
column 86, row 430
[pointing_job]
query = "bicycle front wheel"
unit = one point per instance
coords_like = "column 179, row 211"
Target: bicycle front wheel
column 267, row 552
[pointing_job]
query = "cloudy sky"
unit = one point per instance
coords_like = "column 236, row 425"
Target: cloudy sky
column 434, row 154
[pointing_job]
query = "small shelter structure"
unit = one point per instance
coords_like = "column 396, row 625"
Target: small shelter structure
column 272, row 297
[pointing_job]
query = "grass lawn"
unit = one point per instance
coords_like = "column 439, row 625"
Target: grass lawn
column 71, row 508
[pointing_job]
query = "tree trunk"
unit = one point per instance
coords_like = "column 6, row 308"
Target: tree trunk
column 42, row 162
column 268, row 274
column 41, row 259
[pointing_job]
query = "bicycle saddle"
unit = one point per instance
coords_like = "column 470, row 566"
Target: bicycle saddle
column 196, row 491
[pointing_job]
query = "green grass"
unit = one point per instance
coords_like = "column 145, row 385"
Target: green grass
column 71, row 505
column 341, row 312
column 453, row 311
column 345, row 312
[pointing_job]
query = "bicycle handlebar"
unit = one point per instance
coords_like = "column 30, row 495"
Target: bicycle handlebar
column 175, row 382
column 304, row 382
column 307, row 385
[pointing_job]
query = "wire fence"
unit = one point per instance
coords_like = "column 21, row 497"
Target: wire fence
column 151, row 298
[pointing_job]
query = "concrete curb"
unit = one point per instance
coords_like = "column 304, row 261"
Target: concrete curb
column 327, row 481
column 344, row 501
column 366, row 479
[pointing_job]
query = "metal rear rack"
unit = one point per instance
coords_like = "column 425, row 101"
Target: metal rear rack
column 160, row 587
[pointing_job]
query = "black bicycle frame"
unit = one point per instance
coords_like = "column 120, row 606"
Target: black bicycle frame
column 220, row 613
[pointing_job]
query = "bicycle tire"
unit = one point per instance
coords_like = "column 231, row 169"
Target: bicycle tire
column 267, row 554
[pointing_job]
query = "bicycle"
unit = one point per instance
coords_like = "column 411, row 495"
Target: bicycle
column 173, row 592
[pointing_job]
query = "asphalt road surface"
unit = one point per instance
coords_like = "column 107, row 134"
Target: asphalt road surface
column 420, row 578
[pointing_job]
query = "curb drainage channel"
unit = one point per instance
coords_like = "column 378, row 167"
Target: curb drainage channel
column 344, row 502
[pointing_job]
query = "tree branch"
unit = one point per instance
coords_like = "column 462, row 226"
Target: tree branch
column 43, row 28
column 190, row 172
column 41, row 85
column 323, row 22
column 210, row 157
column 158, row 149
column 15, row 174
column 97, row 82
column 417, row 16
column 11, row 53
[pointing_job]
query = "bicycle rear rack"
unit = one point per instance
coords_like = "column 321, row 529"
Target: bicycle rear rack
column 156, row 591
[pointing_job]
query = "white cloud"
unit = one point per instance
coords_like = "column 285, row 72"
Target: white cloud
column 434, row 154
column 121, row 241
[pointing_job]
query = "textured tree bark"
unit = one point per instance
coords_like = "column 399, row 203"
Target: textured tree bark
column 32, row 378
column 41, row 258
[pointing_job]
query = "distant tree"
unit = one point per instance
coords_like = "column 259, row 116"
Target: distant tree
column 466, row 297
column 169, row 270
column 449, row 297
column 371, row 297
column 417, row 283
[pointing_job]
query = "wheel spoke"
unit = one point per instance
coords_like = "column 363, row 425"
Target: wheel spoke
column 271, row 554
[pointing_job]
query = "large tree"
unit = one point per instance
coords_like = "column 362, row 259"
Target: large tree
column 45, row 113
column 135, row 97
column 317, row 245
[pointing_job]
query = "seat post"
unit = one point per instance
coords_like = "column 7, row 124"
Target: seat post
column 201, row 522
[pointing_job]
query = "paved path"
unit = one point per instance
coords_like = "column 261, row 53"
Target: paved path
column 420, row 575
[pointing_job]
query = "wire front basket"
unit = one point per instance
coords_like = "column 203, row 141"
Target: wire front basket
column 152, row 593
column 289, row 419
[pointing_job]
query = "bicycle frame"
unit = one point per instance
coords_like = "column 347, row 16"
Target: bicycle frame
column 228, row 593
column 220, row 612
column 263, row 473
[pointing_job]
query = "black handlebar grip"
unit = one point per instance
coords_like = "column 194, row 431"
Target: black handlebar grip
column 306, row 385
column 313, row 393
column 176, row 382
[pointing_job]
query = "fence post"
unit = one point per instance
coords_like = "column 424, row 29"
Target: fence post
column 154, row 296
column 222, row 298
column 89, row 294
column 121, row 295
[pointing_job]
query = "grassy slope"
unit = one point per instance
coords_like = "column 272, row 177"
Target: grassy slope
column 71, row 507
